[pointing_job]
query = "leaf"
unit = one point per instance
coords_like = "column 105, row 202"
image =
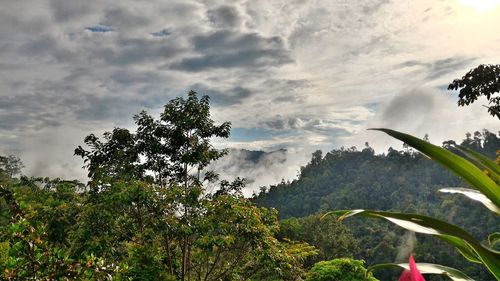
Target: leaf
column 474, row 195
column 494, row 240
column 426, row 268
column 459, row 238
column 463, row 168
column 483, row 161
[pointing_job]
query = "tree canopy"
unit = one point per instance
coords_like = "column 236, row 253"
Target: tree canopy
column 483, row 80
column 147, row 214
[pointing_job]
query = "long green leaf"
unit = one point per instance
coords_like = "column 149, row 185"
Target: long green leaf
column 494, row 240
column 474, row 195
column 426, row 268
column 483, row 161
column 463, row 241
column 463, row 168
column 462, row 247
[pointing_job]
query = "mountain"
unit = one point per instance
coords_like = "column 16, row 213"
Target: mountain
column 258, row 167
column 393, row 181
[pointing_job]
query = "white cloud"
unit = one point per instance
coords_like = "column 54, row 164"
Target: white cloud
column 313, row 73
column 420, row 111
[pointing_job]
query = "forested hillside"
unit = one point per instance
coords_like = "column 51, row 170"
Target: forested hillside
column 154, row 210
column 403, row 181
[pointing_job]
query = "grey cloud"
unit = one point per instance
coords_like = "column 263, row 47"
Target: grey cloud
column 280, row 123
column 19, row 19
column 230, row 49
column 288, row 84
column 223, row 97
column 21, row 121
column 287, row 90
column 408, row 107
column 162, row 33
column 225, row 17
column 102, row 108
column 379, row 43
column 64, row 10
column 99, row 28
column 438, row 68
column 20, row 113
column 411, row 63
column 10, row 24
column 108, row 107
column 448, row 65
column 340, row 20
column 56, row 75
column 260, row 168
column 124, row 19
column 37, row 46
column 46, row 45
column 287, row 99
column 129, row 51
column 315, row 125
column 121, row 107
column 127, row 77
column 136, row 51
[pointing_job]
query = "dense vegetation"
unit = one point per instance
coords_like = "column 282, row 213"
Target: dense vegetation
column 146, row 214
column 403, row 181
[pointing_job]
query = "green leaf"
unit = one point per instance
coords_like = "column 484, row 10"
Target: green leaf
column 463, row 168
column 426, row 268
column 474, row 195
column 459, row 238
column 494, row 240
column 481, row 160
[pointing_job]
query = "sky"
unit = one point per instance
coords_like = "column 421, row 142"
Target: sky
column 294, row 74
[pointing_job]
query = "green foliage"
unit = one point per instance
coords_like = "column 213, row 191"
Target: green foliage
column 10, row 165
column 115, row 158
column 463, row 168
column 426, row 268
column 4, row 250
column 397, row 181
column 339, row 270
column 483, row 80
column 167, row 147
column 333, row 239
column 465, row 243
column 460, row 239
column 146, row 215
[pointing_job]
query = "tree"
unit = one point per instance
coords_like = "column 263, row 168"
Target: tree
column 317, row 156
column 339, row 270
column 483, row 80
column 169, row 147
column 150, row 208
column 333, row 239
column 115, row 158
column 180, row 139
column 10, row 165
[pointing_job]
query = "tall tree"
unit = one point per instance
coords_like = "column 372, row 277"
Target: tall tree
column 169, row 147
column 150, row 192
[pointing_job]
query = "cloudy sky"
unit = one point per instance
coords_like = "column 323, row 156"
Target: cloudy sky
column 294, row 74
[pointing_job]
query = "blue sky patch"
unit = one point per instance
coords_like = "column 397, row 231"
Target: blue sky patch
column 161, row 33
column 99, row 28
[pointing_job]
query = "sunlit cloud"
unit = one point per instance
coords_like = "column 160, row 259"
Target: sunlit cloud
column 481, row 5
column 299, row 75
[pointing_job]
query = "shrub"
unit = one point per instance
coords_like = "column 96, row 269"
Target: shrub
column 343, row 269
